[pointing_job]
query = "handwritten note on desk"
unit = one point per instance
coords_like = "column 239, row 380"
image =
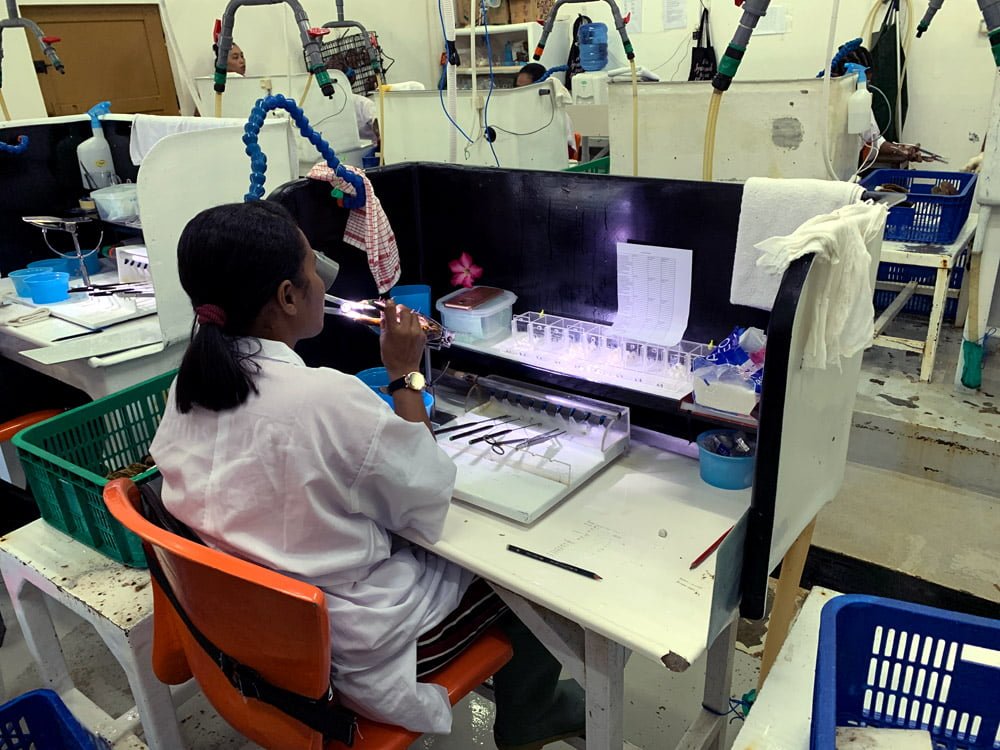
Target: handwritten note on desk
column 654, row 293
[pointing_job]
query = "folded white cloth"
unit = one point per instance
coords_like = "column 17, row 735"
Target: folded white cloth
column 36, row 315
column 148, row 130
column 846, row 243
column 773, row 208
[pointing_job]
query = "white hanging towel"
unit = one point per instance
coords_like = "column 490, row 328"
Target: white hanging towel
column 772, row 208
column 148, row 130
column 847, row 244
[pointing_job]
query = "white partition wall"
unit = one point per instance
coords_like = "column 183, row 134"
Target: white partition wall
column 334, row 118
column 184, row 174
column 765, row 129
column 531, row 128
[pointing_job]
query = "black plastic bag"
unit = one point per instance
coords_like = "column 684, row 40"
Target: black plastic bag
column 703, row 66
column 573, row 62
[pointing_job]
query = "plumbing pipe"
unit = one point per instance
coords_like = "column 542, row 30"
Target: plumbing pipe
column 447, row 9
column 827, row 84
column 310, row 44
column 991, row 15
column 933, row 6
column 45, row 42
column 753, row 11
column 615, row 13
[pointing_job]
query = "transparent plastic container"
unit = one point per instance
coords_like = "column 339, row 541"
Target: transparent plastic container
column 486, row 321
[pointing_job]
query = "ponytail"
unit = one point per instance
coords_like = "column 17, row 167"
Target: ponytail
column 231, row 259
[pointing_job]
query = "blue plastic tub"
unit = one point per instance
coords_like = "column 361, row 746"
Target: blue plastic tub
column 48, row 287
column 20, row 277
column 40, row 720
column 414, row 296
column 724, row 472
column 886, row 663
column 69, row 265
column 930, row 218
column 377, row 378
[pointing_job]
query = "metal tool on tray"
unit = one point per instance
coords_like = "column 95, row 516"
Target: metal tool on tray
column 45, row 223
column 369, row 312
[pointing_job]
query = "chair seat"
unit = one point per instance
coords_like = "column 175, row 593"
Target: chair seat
column 477, row 663
column 13, row 426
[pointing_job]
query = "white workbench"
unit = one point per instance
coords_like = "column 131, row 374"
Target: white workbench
column 96, row 376
column 782, row 715
column 943, row 258
column 639, row 524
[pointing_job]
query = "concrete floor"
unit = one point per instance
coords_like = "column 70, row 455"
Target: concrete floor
column 921, row 498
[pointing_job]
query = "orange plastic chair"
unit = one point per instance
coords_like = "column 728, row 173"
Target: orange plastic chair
column 13, row 426
column 270, row 622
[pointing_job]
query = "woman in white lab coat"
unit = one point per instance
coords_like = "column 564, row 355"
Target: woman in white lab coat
column 307, row 471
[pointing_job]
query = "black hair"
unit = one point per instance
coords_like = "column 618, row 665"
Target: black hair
column 234, row 257
column 535, row 70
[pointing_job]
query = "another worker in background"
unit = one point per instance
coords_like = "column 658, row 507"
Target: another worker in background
column 236, row 63
column 897, row 153
column 307, row 471
column 533, row 73
column 529, row 74
column 365, row 111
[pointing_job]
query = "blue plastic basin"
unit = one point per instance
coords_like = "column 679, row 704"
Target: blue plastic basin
column 724, row 472
column 19, row 278
column 48, row 287
column 377, row 378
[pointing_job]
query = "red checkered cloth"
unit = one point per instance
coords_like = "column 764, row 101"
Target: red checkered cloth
column 367, row 228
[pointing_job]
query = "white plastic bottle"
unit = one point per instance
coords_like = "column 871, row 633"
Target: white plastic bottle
column 859, row 106
column 97, row 169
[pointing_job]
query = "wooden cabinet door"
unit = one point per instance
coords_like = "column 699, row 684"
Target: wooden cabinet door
column 114, row 52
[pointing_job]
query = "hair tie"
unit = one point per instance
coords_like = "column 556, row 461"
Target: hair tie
column 210, row 314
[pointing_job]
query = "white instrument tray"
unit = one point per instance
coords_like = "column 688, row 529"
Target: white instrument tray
column 523, row 483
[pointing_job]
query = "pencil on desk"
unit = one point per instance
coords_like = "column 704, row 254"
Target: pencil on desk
column 557, row 563
column 714, row 546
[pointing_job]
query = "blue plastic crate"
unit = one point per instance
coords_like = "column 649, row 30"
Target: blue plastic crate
column 919, row 304
column 39, row 720
column 885, row 663
column 929, row 218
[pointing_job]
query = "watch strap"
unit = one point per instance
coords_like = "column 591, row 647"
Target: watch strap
column 396, row 385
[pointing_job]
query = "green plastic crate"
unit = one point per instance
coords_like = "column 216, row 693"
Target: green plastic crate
column 66, row 459
column 597, row 166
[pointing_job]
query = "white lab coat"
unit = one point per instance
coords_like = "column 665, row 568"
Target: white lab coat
column 307, row 478
column 366, row 113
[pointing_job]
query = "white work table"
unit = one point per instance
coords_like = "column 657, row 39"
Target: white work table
column 781, row 717
column 943, row 258
column 97, row 376
column 639, row 524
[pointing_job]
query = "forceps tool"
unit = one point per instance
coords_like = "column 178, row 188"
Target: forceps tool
column 500, row 433
column 474, row 430
column 520, row 443
column 443, row 430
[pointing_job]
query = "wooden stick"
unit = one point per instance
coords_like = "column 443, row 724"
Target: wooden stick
column 783, row 608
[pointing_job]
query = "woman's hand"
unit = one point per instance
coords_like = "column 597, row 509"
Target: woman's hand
column 402, row 340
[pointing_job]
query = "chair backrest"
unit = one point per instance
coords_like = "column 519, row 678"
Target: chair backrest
column 269, row 622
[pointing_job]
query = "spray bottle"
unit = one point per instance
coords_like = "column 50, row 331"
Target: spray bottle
column 859, row 106
column 96, row 166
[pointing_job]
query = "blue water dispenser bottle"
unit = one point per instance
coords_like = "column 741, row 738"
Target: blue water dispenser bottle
column 593, row 40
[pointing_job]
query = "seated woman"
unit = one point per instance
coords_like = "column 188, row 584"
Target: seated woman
column 308, row 472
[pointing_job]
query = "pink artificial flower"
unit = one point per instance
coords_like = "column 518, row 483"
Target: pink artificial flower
column 464, row 271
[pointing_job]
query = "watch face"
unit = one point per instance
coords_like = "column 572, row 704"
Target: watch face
column 415, row 381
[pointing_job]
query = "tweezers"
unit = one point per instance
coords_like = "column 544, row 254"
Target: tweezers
column 443, row 430
column 500, row 433
column 932, row 155
column 474, row 430
column 544, row 437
